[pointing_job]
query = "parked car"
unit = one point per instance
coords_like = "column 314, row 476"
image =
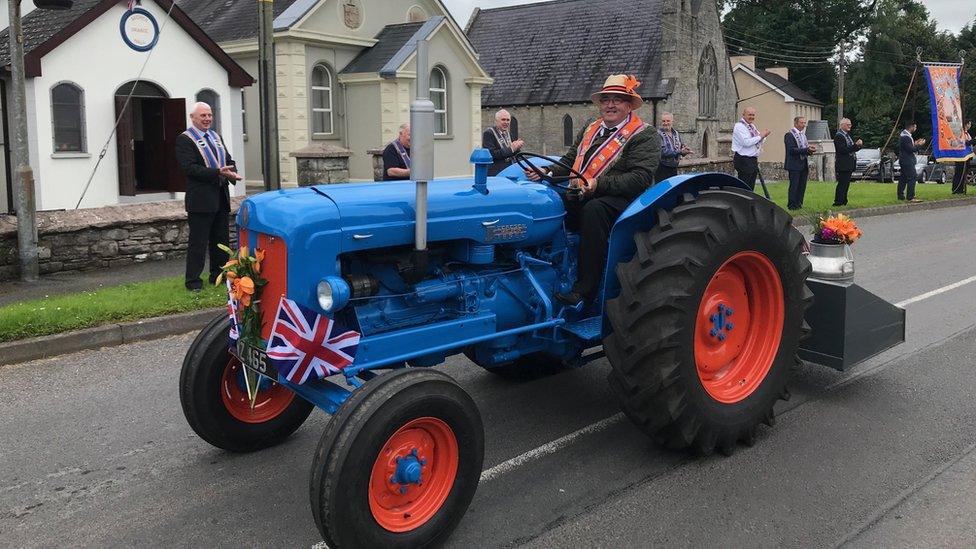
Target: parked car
column 867, row 162
column 870, row 164
column 927, row 169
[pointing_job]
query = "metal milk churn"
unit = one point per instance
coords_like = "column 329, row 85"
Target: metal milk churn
column 834, row 262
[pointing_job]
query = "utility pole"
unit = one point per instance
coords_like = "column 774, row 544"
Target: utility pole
column 269, row 96
column 23, row 175
column 840, row 85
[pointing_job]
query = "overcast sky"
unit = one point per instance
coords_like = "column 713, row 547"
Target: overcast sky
column 951, row 15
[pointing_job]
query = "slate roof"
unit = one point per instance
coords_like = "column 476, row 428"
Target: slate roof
column 788, row 87
column 226, row 20
column 562, row 51
column 40, row 25
column 389, row 41
column 45, row 30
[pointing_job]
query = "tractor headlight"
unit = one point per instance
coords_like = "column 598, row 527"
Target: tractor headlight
column 333, row 293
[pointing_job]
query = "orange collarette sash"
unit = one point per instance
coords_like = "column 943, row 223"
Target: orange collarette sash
column 607, row 153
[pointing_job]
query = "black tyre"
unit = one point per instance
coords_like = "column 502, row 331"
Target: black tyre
column 707, row 323
column 399, row 463
column 215, row 401
column 525, row 368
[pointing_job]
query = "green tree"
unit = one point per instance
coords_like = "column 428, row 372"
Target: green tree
column 800, row 35
column 966, row 41
column 878, row 82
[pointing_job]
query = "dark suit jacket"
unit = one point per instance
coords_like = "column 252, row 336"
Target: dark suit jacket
column 846, row 159
column 796, row 158
column 906, row 151
column 633, row 171
column 502, row 156
column 206, row 190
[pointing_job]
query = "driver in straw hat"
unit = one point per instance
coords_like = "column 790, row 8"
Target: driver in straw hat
column 617, row 157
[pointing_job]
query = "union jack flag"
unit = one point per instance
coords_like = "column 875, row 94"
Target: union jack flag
column 235, row 332
column 303, row 341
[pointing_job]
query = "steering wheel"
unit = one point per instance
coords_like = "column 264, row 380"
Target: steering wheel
column 522, row 159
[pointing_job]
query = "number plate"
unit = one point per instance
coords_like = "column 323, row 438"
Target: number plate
column 255, row 359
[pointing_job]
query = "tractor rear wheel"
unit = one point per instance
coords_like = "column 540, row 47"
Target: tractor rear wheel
column 215, row 403
column 708, row 320
column 399, row 463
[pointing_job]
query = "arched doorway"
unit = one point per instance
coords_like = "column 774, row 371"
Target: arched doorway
column 148, row 126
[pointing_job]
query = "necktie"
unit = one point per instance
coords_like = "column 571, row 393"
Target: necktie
column 607, row 132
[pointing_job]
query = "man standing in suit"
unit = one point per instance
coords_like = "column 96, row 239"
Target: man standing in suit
column 498, row 140
column 208, row 168
column 846, row 161
column 747, row 146
column 797, row 151
column 907, row 147
column 629, row 152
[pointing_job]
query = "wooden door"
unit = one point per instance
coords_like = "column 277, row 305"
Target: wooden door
column 124, row 140
column 174, row 123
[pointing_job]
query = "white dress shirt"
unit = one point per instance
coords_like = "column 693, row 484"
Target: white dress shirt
column 743, row 142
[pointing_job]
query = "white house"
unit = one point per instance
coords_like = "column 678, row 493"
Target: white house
column 346, row 74
column 81, row 65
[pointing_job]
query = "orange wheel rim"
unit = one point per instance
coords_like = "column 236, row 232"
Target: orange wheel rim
column 739, row 326
column 413, row 474
column 272, row 400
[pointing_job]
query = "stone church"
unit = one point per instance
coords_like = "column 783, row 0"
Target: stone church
column 547, row 58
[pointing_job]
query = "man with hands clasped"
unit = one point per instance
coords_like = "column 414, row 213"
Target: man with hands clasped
column 209, row 169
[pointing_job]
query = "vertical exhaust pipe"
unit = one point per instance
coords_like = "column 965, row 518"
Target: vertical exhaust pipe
column 421, row 158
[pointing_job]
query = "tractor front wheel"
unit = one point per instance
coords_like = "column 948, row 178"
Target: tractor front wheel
column 399, row 463
column 215, row 402
column 708, row 320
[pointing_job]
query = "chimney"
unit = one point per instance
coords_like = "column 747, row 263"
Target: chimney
column 747, row 60
column 780, row 71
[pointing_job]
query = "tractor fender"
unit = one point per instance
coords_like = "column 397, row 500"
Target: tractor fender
column 641, row 215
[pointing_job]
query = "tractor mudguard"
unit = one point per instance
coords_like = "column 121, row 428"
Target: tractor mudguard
column 641, row 215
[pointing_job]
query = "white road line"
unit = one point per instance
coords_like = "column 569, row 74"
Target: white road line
column 548, row 448
column 935, row 292
column 552, row 447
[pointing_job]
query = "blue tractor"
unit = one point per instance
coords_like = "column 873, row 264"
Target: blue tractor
column 700, row 316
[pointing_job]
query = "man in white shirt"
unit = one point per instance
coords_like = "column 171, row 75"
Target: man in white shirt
column 746, row 146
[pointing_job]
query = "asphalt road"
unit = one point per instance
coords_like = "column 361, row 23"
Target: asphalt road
column 94, row 450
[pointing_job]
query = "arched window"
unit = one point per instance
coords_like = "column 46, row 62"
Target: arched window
column 568, row 136
column 438, row 95
column 513, row 129
column 68, row 118
column 707, row 84
column 211, row 98
column 322, row 120
column 704, row 145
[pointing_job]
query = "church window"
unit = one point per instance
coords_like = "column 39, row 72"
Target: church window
column 568, row 136
column 707, row 84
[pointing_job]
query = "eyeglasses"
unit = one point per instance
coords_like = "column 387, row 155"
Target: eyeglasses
column 615, row 99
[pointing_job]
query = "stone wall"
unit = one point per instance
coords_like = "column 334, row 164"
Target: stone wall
column 102, row 238
column 322, row 163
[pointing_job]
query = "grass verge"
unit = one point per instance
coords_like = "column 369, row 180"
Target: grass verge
column 62, row 313
column 862, row 194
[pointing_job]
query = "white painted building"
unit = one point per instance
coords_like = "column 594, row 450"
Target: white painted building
column 79, row 73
